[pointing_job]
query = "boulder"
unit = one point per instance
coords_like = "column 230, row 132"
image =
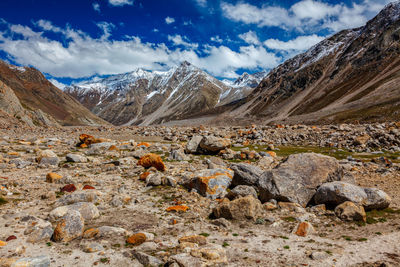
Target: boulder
column 69, row 227
column 47, row 157
column 348, row 211
column 335, row 193
column 193, row 145
column 40, row 261
column 88, row 211
column 245, row 208
column 211, row 183
column 376, row 199
column 242, row 191
column 245, row 174
column 38, row 230
column 178, row 155
column 77, row 196
column 213, row 145
column 297, row 179
column 154, row 179
column 152, row 160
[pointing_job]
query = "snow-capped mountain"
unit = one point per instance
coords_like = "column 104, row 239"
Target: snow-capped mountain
column 353, row 75
column 146, row 97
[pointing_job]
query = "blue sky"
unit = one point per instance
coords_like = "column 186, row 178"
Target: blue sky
column 75, row 39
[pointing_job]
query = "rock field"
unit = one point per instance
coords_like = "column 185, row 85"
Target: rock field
column 200, row 196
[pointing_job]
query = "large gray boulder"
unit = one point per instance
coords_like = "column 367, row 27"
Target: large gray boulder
column 297, row 179
column 213, row 144
column 245, row 174
column 336, row 193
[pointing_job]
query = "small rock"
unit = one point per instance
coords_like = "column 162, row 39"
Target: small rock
column 69, row 227
column 146, row 259
column 154, row 179
column 245, row 208
column 136, row 239
column 76, row 158
column 242, row 191
column 304, row 229
column 88, row 211
column 348, row 211
column 197, row 239
column 53, row 177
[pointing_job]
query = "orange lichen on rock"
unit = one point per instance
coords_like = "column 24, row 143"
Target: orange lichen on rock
column 279, row 126
column 88, row 187
column 152, row 160
column 271, row 153
column 304, row 229
column 144, row 144
column 144, row 175
column 178, row 208
column 90, row 233
column 85, row 140
column 113, row 148
column 136, row 239
column 52, row 177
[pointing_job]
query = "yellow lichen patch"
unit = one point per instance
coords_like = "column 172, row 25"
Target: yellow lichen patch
column 2, row 243
column 13, row 153
column 178, row 208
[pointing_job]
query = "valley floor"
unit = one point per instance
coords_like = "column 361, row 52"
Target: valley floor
column 124, row 203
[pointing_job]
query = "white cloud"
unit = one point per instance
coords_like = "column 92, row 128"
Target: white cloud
column 202, row 3
column 184, row 41
column 80, row 55
column 156, row 30
column 301, row 43
column 250, row 37
column 96, row 7
column 57, row 84
column 216, row 39
column 169, row 20
column 305, row 15
column 120, row 2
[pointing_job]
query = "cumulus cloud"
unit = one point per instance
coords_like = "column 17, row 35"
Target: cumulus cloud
column 250, row 37
column 178, row 40
column 96, row 7
column 301, row 43
column 81, row 55
column 169, row 20
column 304, row 15
column 120, row 2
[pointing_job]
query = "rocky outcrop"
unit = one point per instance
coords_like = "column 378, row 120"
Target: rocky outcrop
column 42, row 102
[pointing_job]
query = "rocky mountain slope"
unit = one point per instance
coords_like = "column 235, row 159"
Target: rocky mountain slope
column 353, row 75
column 27, row 95
column 143, row 97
